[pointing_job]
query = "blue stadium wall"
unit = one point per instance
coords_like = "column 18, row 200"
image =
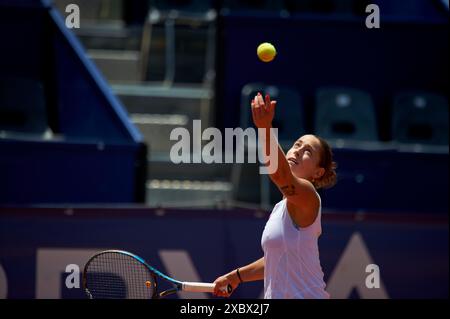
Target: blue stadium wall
column 37, row 244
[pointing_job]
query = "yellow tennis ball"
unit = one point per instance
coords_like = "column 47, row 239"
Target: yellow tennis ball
column 266, row 52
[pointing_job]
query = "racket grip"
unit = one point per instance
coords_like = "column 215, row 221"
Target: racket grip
column 197, row 286
column 202, row 287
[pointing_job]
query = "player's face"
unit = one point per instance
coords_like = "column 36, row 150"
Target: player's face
column 304, row 157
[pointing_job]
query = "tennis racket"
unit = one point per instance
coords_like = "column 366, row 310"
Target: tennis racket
column 117, row 274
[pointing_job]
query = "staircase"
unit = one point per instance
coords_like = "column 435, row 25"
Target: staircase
column 165, row 81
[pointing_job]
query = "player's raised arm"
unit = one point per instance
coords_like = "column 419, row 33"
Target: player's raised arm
column 300, row 192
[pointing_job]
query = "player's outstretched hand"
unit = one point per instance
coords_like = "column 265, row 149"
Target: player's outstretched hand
column 263, row 111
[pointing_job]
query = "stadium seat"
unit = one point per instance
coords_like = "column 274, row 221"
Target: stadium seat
column 22, row 105
column 345, row 113
column 419, row 117
column 289, row 116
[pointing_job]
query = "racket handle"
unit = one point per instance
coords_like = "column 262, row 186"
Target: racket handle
column 197, row 286
column 202, row 287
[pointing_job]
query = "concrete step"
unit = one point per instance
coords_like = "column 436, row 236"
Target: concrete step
column 159, row 168
column 157, row 110
column 189, row 59
column 156, row 129
column 110, row 36
column 93, row 10
column 182, row 193
column 195, row 102
column 117, row 65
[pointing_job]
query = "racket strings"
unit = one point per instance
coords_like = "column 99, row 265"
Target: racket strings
column 114, row 275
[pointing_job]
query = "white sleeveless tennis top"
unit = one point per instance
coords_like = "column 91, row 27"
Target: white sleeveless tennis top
column 291, row 256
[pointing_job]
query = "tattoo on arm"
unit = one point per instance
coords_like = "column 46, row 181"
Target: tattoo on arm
column 288, row 190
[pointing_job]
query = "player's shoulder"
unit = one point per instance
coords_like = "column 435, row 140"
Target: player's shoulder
column 310, row 188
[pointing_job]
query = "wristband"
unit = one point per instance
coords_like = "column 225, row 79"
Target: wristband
column 239, row 275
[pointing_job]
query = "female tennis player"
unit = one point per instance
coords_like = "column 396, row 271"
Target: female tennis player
column 290, row 266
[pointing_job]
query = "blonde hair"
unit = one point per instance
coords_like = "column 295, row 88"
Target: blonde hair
column 329, row 178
